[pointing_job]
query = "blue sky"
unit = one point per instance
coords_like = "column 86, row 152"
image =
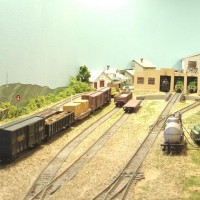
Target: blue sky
column 44, row 42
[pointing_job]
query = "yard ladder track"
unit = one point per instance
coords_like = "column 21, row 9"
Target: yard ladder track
column 119, row 187
column 70, row 172
column 51, row 169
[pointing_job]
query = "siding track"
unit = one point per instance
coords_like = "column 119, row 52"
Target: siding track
column 51, row 169
column 118, row 188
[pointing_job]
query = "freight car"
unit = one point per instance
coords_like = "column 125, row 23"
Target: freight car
column 18, row 136
column 122, row 98
column 173, row 135
column 179, row 85
column 132, row 105
column 165, row 85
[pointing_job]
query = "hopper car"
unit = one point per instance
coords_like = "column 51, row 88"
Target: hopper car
column 23, row 134
column 174, row 140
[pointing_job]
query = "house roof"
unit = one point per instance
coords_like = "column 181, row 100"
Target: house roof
column 130, row 71
column 145, row 63
column 96, row 74
column 191, row 56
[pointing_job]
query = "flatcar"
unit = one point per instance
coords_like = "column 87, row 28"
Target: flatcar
column 179, row 85
column 18, row 136
column 132, row 105
column 174, row 140
column 165, row 85
column 122, row 98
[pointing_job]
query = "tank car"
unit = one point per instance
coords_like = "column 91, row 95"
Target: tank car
column 173, row 135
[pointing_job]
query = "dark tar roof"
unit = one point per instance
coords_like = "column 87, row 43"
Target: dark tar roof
column 20, row 123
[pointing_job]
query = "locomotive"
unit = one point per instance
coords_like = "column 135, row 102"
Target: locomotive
column 179, row 85
column 165, row 85
column 20, row 135
column 192, row 87
column 173, row 135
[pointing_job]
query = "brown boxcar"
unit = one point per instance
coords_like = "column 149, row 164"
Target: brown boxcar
column 17, row 136
column 106, row 94
column 57, row 122
column 122, row 98
column 95, row 99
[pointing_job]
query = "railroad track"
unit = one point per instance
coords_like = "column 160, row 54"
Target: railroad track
column 70, row 172
column 51, row 169
column 119, row 187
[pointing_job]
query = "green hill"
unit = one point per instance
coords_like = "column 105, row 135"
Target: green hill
column 26, row 91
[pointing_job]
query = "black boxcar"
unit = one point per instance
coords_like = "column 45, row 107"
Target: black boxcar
column 106, row 94
column 57, row 122
column 17, row 136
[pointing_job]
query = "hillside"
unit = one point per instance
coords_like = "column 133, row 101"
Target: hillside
column 26, row 91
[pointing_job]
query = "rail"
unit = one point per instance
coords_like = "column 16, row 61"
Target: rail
column 50, row 170
column 119, row 187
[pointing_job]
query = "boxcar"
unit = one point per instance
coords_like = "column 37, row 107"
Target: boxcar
column 95, row 99
column 57, row 122
column 17, row 136
column 106, row 94
column 122, row 98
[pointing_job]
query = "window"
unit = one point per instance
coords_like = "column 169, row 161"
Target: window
column 192, row 64
column 101, row 83
column 140, row 80
column 95, row 85
column 151, row 81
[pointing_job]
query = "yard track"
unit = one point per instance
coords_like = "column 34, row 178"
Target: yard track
column 70, row 172
column 119, row 187
column 51, row 169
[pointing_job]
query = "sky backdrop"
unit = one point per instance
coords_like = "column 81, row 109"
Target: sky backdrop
column 45, row 42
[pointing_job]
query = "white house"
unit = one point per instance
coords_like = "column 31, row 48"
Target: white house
column 191, row 64
column 142, row 64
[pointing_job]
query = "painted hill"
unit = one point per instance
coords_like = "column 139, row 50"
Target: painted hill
column 26, row 91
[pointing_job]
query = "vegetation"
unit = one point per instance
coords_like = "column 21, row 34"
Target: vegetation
column 39, row 101
column 83, row 74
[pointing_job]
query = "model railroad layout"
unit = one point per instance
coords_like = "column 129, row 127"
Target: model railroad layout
column 47, row 184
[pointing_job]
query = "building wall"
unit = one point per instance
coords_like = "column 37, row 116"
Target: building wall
column 137, row 67
column 157, row 75
column 102, row 77
column 185, row 63
column 130, row 77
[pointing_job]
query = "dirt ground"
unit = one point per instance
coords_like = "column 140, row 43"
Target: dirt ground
column 165, row 176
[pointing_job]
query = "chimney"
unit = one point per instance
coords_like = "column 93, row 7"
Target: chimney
column 141, row 59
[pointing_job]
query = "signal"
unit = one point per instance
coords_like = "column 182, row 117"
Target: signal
column 18, row 97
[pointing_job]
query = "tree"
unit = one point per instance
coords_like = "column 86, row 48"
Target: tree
column 83, row 74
